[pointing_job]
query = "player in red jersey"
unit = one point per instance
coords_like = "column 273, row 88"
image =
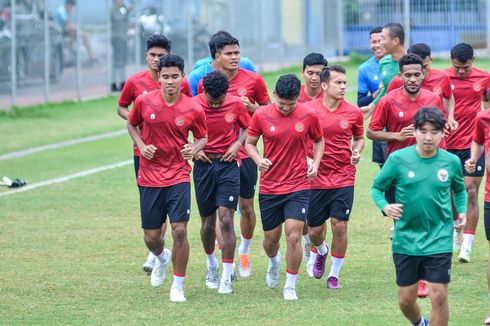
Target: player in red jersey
column 284, row 182
column 167, row 117
column 217, row 174
column 479, row 146
column 469, row 87
column 250, row 87
column 332, row 192
column 435, row 81
column 141, row 83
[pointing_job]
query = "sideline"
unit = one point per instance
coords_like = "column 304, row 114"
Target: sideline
column 67, row 143
column 66, row 178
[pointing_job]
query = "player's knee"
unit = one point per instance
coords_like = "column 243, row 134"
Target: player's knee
column 293, row 239
column 226, row 224
column 247, row 209
column 438, row 297
column 179, row 234
column 339, row 229
column 405, row 301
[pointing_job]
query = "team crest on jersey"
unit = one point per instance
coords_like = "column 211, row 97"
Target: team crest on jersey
column 179, row 122
column 299, row 126
column 152, row 116
column 242, row 91
column 229, row 117
column 272, row 129
column 442, row 175
column 452, row 87
column 344, row 124
column 437, row 90
column 476, row 87
column 144, row 92
column 401, row 114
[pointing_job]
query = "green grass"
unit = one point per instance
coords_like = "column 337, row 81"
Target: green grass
column 71, row 253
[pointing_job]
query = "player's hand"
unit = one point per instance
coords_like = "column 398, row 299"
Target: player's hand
column 186, row 152
column 148, row 151
column 460, row 222
column 380, row 88
column 264, row 165
column 309, row 162
column 312, row 171
column 470, row 165
column 248, row 105
column 231, row 152
column 201, row 156
column 393, row 211
column 406, row 132
column 355, row 157
column 452, row 124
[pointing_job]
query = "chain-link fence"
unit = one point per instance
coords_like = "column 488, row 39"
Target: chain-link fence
column 72, row 50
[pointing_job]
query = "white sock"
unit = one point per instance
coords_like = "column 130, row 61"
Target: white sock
column 468, row 240
column 275, row 260
column 244, row 246
column 162, row 257
column 306, row 239
column 151, row 256
column 322, row 249
column 212, row 261
column 178, row 282
column 227, row 270
column 336, row 266
column 291, row 280
column 313, row 255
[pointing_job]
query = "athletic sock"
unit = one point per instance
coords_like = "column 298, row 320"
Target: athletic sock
column 275, row 260
column 244, row 245
column 306, row 239
column 162, row 257
column 212, row 261
column 468, row 237
column 337, row 262
column 291, row 279
column 178, row 281
column 322, row 249
column 227, row 268
column 313, row 255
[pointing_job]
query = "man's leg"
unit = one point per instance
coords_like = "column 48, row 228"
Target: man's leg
column 407, row 300
column 228, row 247
column 339, row 248
column 208, row 238
column 180, row 258
column 319, row 251
column 294, row 253
column 472, row 186
column 271, row 247
column 440, row 309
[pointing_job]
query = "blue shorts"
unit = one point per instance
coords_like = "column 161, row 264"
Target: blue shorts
column 248, row 178
column 136, row 161
column 325, row 203
column 464, row 155
column 216, row 184
column 379, row 152
column 434, row 268
column 486, row 216
column 275, row 209
column 156, row 203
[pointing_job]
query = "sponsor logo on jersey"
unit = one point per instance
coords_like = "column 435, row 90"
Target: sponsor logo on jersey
column 229, row 117
column 375, row 77
column 179, row 121
column 344, row 124
column 452, row 87
column 411, row 174
column 272, row 129
column 152, row 116
column 401, row 114
column 442, row 175
column 299, row 126
column 144, row 92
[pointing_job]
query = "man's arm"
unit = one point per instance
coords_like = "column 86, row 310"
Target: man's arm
column 404, row 134
column 318, row 150
column 251, row 147
column 189, row 150
column 449, row 105
column 148, row 151
column 123, row 112
column 357, row 148
column 232, row 151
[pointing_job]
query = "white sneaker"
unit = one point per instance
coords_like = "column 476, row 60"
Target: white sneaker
column 244, row 266
column 225, row 286
column 149, row 263
column 212, row 278
column 289, row 294
column 464, row 255
column 272, row 276
column 306, row 252
column 457, row 237
column 159, row 272
column 177, row 295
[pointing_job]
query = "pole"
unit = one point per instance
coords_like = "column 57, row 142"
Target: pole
column 13, row 54
column 78, row 45
column 47, row 57
column 406, row 22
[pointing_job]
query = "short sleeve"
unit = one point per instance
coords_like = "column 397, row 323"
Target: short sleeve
column 358, row 127
column 135, row 117
column 199, row 128
column 478, row 132
column 254, row 129
column 261, row 94
column 380, row 116
column 315, row 132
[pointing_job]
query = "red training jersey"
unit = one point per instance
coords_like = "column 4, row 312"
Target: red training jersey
column 468, row 94
column 481, row 135
column 339, row 127
column 284, row 145
column 167, row 128
column 437, row 82
column 396, row 111
column 303, row 97
column 141, row 83
column 223, row 123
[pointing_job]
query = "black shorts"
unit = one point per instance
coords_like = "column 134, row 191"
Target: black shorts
column 248, row 178
column 216, row 184
column 275, row 209
column 464, row 155
column 379, row 152
column 325, row 203
column 486, row 217
column 434, row 268
column 136, row 161
column 157, row 203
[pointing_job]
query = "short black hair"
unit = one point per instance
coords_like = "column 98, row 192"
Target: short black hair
column 158, row 40
column 314, row 59
column 171, row 60
column 377, row 29
column 462, row 52
column 325, row 74
column 421, row 49
column 219, row 40
column 396, row 30
column 215, row 84
column 431, row 115
column 410, row 59
column 212, row 41
column 288, row 87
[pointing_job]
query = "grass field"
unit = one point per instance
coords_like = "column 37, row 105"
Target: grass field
column 71, row 253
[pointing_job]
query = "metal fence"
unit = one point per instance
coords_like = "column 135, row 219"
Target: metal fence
column 86, row 50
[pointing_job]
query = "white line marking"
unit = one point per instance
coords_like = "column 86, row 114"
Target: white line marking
column 38, row 149
column 66, row 178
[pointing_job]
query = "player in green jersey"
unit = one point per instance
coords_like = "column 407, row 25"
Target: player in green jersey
column 423, row 175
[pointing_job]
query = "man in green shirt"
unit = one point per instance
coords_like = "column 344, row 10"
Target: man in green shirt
column 424, row 176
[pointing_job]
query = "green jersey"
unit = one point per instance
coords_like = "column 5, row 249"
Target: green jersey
column 423, row 186
column 389, row 69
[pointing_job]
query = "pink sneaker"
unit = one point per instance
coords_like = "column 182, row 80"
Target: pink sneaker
column 333, row 283
column 319, row 266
